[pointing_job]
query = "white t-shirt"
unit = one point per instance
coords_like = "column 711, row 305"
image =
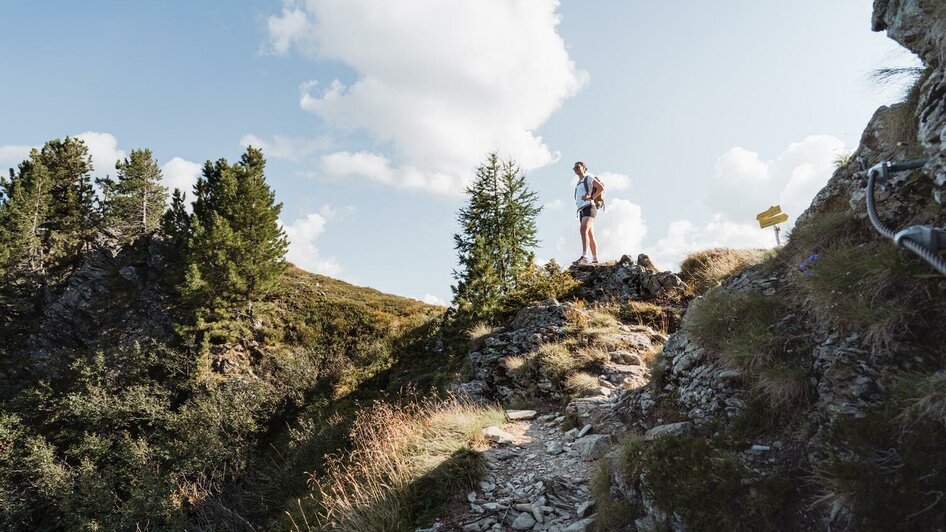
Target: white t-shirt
column 580, row 190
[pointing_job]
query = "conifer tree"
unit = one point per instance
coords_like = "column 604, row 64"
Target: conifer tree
column 24, row 217
column 71, row 222
column 235, row 247
column 135, row 201
column 497, row 235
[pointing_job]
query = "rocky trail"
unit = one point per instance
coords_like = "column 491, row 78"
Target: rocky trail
column 538, row 475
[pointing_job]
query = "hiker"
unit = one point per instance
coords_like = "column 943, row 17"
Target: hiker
column 588, row 191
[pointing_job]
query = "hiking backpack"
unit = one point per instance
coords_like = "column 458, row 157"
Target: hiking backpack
column 599, row 203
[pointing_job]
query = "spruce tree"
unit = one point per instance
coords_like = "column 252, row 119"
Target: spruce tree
column 135, row 201
column 497, row 234
column 235, row 247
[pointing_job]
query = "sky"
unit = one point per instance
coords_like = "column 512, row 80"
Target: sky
column 374, row 114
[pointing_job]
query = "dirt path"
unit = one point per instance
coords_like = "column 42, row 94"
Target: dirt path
column 537, row 479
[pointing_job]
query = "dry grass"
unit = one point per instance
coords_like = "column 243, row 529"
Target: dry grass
column 581, row 383
column 479, row 332
column 783, row 386
column 515, row 364
column 644, row 313
column 737, row 326
column 924, row 398
column 601, row 319
column 709, row 268
column 406, row 460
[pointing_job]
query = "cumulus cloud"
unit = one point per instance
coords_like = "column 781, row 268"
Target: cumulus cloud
column 441, row 83
column 287, row 148
column 431, row 299
column 103, row 147
column 13, row 154
column 613, row 181
column 181, row 174
column 303, row 252
column 744, row 185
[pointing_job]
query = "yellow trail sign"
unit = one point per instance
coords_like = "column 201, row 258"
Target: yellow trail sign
column 772, row 211
column 768, row 222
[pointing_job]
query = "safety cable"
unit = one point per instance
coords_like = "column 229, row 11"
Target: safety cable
column 923, row 240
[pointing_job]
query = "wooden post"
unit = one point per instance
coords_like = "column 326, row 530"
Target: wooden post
column 778, row 241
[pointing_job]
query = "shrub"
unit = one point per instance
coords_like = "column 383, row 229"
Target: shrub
column 709, row 268
column 611, row 512
column 538, row 283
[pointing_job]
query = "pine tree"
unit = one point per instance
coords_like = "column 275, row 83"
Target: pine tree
column 235, row 247
column 135, row 202
column 497, row 234
column 24, row 217
column 175, row 226
column 72, row 219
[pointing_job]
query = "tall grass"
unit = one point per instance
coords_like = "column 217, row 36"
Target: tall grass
column 406, row 462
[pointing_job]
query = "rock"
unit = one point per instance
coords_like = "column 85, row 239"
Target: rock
column 518, row 415
column 525, row 521
column 671, row 429
column 554, row 448
column 497, row 435
column 584, row 508
column 593, row 446
column 584, row 430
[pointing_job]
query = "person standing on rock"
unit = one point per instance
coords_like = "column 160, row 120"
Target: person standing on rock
column 588, row 190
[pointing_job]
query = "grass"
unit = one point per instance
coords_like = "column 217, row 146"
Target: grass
column 706, row 269
column 866, row 287
column 407, row 462
column 644, row 313
column 737, row 327
column 611, row 512
column 924, row 398
column 581, row 383
column 708, row 488
column 783, row 386
column 557, row 362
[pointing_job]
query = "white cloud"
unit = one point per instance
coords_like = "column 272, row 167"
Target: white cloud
column 431, row 299
column 613, row 181
column 743, row 185
column 103, row 147
column 287, row 148
column 302, row 249
column 620, row 229
column 554, row 205
column 12, row 155
column 683, row 238
column 441, row 83
column 181, row 174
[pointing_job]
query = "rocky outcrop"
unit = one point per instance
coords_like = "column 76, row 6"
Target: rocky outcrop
column 626, row 280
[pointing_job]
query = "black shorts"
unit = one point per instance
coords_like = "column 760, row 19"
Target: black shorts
column 590, row 210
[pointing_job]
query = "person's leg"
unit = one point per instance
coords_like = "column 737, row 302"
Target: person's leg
column 584, row 235
column 591, row 239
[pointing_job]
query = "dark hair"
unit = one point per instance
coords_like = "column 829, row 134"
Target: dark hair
column 583, row 165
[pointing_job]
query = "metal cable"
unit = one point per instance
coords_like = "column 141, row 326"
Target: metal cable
column 924, row 253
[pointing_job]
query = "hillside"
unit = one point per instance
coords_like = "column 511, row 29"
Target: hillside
column 112, row 419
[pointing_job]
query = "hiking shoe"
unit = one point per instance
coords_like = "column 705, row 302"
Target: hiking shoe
column 580, row 261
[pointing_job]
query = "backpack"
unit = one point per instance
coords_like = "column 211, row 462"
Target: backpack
column 599, row 203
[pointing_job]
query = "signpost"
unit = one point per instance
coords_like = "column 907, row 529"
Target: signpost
column 771, row 217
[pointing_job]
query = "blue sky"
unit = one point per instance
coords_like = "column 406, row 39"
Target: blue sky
column 374, row 113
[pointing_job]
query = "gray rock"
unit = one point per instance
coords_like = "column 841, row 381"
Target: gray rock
column 554, row 448
column 671, row 429
column 519, row 415
column 584, row 430
column 593, row 446
column 525, row 521
column 497, row 435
